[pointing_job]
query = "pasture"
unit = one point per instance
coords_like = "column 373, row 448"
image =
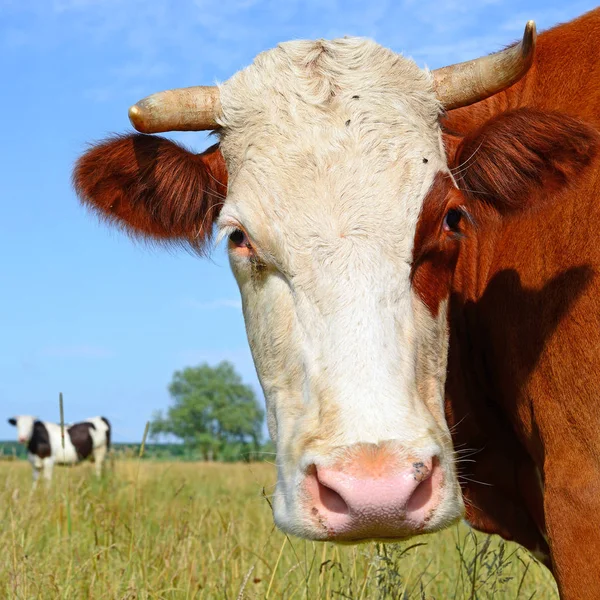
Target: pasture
column 175, row 530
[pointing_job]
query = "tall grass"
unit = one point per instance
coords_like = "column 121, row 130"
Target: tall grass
column 183, row 530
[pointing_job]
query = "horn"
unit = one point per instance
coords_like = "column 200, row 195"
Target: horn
column 184, row 109
column 474, row 80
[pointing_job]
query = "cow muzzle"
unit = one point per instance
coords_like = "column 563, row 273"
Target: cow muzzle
column 373, row 492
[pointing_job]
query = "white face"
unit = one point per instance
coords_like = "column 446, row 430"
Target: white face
column 24, row 425
column 327, row 189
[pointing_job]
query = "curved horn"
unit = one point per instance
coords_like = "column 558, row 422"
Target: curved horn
column 183, row 109
column 468, row 82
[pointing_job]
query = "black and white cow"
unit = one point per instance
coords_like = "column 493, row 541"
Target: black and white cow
column 44, row 446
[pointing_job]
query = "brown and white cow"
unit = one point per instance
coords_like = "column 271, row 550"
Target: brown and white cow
column 45, row 448
column 410, row 256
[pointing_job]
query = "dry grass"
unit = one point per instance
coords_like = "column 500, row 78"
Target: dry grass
column 191, row 530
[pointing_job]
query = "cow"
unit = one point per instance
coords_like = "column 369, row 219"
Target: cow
column 89, row 438
column 416, row 256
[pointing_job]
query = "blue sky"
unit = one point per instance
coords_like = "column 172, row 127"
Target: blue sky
column 83, row 309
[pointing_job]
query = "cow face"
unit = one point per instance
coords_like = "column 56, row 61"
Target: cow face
column 331, row 151
column 326, row 188
column 24, row 425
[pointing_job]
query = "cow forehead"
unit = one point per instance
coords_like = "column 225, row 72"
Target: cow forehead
column 301, row 83
column 322, row 137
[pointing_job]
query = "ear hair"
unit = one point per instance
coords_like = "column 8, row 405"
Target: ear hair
column 153, row 188
column 514, row 155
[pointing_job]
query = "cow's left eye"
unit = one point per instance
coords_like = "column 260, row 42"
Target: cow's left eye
column 452, row 219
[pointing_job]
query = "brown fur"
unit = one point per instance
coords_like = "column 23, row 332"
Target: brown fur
column 507, row 164
column 513, row 155
column 39, row 444
column 153, row 187
column 523, row 377
column 435, row 251
column 81, row 439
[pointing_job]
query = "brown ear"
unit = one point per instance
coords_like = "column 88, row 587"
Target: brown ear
column 517, row 154
column 153, row 187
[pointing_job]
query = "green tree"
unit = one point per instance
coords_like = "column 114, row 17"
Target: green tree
column 212, row 409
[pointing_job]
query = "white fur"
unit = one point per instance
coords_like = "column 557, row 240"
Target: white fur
column 99, row 439
column 329, row 188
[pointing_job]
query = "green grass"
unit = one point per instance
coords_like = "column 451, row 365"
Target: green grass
column 197, row 530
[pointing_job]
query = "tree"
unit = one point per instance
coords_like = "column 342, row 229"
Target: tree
column 212, row 408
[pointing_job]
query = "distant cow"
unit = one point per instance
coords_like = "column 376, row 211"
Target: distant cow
column 44, row 445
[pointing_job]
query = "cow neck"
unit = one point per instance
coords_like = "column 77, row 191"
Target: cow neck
column 476, row 415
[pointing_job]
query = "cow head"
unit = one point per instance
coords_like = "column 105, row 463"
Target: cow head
column 343, row 222
column 24, row 425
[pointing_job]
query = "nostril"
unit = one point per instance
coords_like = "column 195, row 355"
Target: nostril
column 421, row 496
column 323, row 494
column 331, row 500
column 423, row 493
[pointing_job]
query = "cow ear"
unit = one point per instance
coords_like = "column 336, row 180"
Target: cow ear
column 12, row 421
column 153, row 187
column 516, row 155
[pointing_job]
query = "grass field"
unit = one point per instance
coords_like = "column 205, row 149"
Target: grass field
column 196, row 530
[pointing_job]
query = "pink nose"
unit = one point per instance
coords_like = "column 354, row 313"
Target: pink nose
column 366, row 500
column 22, row 440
